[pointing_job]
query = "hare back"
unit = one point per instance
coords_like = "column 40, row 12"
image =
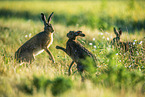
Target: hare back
column 77, row 51
column 37, row 43
column 126, row 45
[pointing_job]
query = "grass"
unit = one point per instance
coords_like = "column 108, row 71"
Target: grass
column 117, row 74
column 100, row 15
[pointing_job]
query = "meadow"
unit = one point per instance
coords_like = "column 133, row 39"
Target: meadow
column 117, row 74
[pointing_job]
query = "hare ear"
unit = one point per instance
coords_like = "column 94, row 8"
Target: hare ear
column 120, row 31
column 43, row 18
column 49, row 18
column 115, row 31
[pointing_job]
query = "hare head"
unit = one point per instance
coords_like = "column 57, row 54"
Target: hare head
column 47, row 26
column 118, row 34
column 74, row 34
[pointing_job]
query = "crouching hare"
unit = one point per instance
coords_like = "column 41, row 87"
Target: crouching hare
column 77, row 52
column 37, row 44
column 125, row 46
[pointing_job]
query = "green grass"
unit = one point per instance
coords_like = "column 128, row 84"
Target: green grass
column 97, row 14
column 117, row 74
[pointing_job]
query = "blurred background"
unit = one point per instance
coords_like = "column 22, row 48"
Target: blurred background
column 99, row 14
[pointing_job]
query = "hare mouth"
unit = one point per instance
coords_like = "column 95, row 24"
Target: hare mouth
column 83, row 35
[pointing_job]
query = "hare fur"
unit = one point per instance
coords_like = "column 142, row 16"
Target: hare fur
column 125, row 46
column 37, row 44
column 77, row 51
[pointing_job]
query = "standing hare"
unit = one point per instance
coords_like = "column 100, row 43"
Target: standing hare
column 37, row 44
column 77, row 52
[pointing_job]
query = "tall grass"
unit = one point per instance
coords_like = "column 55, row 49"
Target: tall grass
column 117, row 74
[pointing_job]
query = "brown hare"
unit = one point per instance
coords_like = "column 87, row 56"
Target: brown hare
column 37, row 44
column 77, row 52
column 125, row 46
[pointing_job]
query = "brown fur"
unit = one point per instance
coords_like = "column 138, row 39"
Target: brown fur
column 125, row 46
column 37, row 43
column 76, row 51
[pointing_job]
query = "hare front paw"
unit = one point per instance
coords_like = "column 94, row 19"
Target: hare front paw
column 57, row 47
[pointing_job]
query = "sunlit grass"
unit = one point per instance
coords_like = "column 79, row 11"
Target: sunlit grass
column 21, row 80
column 95, row 41
column 97, row 14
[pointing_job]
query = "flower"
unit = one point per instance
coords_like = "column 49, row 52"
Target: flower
column 95, row 46
column 90, row 44
column 116, row 53
column 133, row 43
column 93, row 39
column 140, row 42
column 101, row 33
column 26, row 36
column 107, row 38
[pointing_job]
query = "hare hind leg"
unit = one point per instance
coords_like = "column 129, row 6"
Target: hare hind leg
column 70, row 68
column 26, row 57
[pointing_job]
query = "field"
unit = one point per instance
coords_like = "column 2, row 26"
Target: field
column 117, row 74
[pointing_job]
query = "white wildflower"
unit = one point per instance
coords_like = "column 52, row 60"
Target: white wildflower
column 133, row 43
column 107, row 38
column 26, row 36
column 116, row 53
column 95, row 46
column 140, row 42
column 134, row 40
column 103, row 37
column 101, row 33
column 90, row 44
column 93, row 39
column 119, row 60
